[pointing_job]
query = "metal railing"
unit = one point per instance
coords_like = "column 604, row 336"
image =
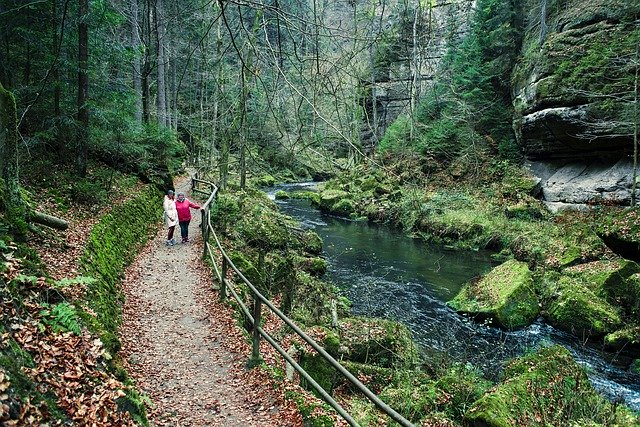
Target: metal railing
column 254, row 317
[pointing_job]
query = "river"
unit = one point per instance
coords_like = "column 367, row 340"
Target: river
column 387, row 274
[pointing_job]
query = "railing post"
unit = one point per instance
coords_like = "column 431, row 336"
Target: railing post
column 255, row 333
column 223, row 285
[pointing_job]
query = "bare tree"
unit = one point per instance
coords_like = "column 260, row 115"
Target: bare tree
column 83, row 88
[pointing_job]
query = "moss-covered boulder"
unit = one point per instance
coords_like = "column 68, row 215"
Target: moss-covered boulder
column 336, row 201
column 627, row 338
column 619, row 229
column 547, row 388
column 574, row 307
column 630, row 295
column 635, row 366
column 282, row 195
column 505, row 296
column 265, row 181
column 315, row 266
column 418, row 396
column 247, row 268
column 311, row 242
column 378, row 342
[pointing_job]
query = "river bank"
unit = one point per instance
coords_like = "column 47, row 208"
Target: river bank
column 387, row 274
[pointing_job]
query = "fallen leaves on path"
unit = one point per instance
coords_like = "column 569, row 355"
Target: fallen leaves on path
column 186, row 350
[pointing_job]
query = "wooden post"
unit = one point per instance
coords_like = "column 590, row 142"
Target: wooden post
column 223, row 285
column 255, row 349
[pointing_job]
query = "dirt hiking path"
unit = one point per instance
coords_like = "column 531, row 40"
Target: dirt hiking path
column 184, row 349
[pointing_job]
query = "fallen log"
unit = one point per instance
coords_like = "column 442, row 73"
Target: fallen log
column 48, row 220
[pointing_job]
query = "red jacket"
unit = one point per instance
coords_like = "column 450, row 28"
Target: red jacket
column 184, row 213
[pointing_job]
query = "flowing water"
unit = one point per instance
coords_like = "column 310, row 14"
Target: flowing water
column 387, row 274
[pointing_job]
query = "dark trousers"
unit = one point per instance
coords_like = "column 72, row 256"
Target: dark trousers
column 184, row 229
column 170, row 233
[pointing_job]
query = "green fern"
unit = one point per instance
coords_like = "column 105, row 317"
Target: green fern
column 61, row 317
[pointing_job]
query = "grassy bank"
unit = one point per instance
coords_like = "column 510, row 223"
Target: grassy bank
column 428, row 390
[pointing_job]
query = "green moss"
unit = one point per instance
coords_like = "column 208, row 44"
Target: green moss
column 570, row 256
column 625, row 338
column 330, row 198
column 378, row 342
column 320, row 370
column 261, row 226
column 331, row 342
column 312, row 243
column 545, row 388
column 635, row 366
column 632, row 296
column 417, row 396
column 309, row 411
column 577, row 309
column 505, row 295
column 376, row 378
column 265, row 181
column 306, row 195
column 112, row 245
column 247, row 267
column 314, row 266
column 282, row 195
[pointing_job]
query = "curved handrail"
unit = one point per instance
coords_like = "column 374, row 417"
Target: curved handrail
column 208, row 230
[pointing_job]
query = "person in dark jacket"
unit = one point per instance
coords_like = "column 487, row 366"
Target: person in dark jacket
column 184, row 206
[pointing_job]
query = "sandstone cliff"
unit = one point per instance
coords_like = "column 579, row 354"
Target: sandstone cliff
column 574, row 98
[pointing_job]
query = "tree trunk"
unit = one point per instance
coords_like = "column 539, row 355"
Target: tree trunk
column 83, row 88
column 14, row 205
column 634, row 185
column 136, row 65
column 161, row 100
column 48, row 220
column 146, row 70
column 55, row 75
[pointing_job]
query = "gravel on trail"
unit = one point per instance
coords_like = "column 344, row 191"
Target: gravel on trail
column 184, row 349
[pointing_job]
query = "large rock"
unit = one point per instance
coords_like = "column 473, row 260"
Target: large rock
column 576, row 308
column 377, row 342
column 545, row 388
column 571, row 86
column 505, row 296
column 576, row 183
column 573, row 97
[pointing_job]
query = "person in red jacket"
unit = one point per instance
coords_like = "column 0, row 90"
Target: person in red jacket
column 184, row 206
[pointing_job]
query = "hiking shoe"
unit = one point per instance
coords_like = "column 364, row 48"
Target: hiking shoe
column 173, row 242
column 168, row 242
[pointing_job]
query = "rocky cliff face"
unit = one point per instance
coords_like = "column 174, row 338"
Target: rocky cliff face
column 407, row 65
column 574, row 97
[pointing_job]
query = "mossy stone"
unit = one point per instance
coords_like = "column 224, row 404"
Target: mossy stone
column 378, row 342
column 632, row 296
column 635, row 366
column 622, row 286
column 570, row 256
column 248, row 269
column 627, row 338
column 265, row 181
column 328, row 198
column 343, row 207
column 320, row 370
column 282, row 195
column 544, row 388
column 315, row 266
column 112, row 245
column 577, row 309
column 505, row 296
column 312, row 243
